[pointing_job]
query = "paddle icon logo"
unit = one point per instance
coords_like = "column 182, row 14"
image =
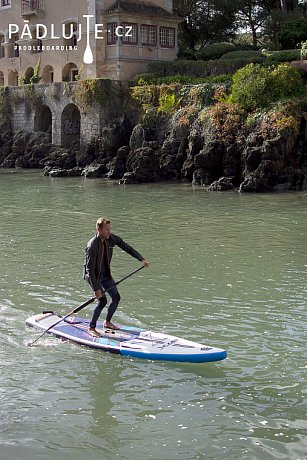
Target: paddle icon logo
column 88, row 54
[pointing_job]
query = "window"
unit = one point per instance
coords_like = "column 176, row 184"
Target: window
column 167, row 37
column 73, row 74
column 112, row 37
column 149, row 35
column 71, row 34
column 129, row 33
column 14, row 40
column 39, row 41
column 5, row 2
column 1, row 46
column 74, row 40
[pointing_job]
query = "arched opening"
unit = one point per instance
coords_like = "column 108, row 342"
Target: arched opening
column 28, row 75
column 1, row 78
column 70, row 126
column 69, row 72
column 48, row 74
column 13, row 78
column 43, row 121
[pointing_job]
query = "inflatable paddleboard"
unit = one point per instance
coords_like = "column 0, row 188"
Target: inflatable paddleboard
column 128, row 341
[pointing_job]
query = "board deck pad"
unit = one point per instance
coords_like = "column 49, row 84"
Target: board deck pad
column 128, row 340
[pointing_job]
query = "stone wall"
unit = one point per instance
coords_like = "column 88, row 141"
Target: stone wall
column 31, row 102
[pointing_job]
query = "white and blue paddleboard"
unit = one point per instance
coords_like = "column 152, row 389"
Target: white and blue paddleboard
column 128, row 341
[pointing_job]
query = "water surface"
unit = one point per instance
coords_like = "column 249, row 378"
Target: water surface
column 226, row 269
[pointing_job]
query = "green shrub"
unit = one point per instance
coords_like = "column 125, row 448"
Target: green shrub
column 151, row 79
column 214, row 51
column 187, row 54
column 168, row 104
column 243, row 54
column 227, row 119
column 201, row 96
column 246, row 46
column 146, row 95
column 284, row 56
column 198, row 68
column 287, row 82
column 256, row 86
column 165, row 98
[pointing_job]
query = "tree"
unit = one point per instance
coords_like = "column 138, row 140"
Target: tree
column 184, row 8
column 253, row 14
column 205, row 22
column 288, row 5
column 287, row 28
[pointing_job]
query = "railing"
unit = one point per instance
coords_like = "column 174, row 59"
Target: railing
column 29, row 7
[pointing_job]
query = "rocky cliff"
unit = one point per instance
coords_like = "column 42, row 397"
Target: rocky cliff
column 184, row 147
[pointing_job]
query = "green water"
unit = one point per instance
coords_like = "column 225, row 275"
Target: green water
column 226, row 269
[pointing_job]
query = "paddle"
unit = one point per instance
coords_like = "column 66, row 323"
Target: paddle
column 83, row 305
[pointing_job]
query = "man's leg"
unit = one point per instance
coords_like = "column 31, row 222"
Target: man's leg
column 109, row 284
column 102, row 302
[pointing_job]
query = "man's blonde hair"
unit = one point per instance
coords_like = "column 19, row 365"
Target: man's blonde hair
column 101, row 221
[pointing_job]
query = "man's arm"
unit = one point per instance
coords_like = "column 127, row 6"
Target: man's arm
column 127, row 248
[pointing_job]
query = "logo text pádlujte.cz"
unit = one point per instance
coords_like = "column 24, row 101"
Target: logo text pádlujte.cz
column 41, row 31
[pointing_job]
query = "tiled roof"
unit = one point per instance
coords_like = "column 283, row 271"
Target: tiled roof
column 139, row 8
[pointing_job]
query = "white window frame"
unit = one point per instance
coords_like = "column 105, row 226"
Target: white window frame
column 148, row 33
column 165, row 33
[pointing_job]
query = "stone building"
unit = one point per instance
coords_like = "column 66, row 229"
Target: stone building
column 84, row 38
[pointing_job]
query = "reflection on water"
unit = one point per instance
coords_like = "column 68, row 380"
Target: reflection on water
column 226, row 269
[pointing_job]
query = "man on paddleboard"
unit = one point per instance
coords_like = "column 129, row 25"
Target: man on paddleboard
column 97, row 271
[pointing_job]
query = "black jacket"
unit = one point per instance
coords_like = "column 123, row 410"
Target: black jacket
column 93, row 257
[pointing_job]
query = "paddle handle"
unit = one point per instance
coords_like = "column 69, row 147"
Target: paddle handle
column 128, row 276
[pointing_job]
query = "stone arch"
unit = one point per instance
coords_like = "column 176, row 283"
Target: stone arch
column 69, row 72
column 43, row 120
column 1, row 78
column 70, row 126
column 28, row 74
column 48, row 74
column 13, row 78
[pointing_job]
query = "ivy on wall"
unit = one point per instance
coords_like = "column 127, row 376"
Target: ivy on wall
column 88, row 92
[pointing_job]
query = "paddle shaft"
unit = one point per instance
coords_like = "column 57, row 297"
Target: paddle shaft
column 83, row 305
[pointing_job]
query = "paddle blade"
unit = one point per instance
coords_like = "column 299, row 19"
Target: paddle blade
column 88, row 57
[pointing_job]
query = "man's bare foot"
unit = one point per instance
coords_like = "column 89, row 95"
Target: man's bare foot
column 109, row 325
column 93, row 332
